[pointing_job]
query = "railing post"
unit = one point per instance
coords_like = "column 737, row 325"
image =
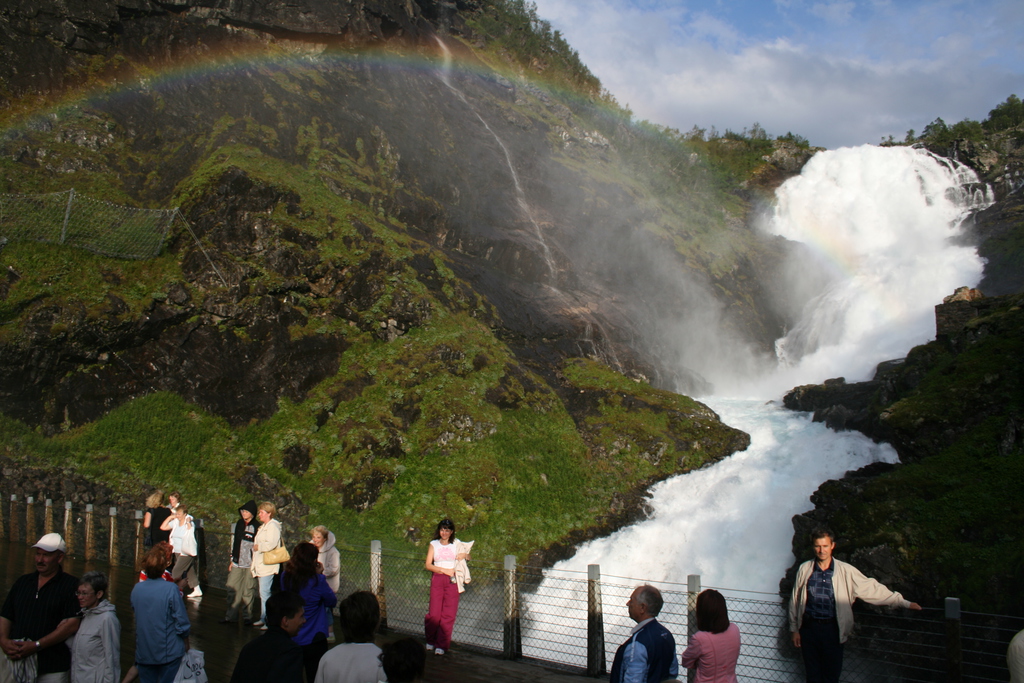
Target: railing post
column 954, row 651
column 201, row 557
column 48, row 517
column 30, row 519
column 15, row 531
column 138, row 538
column 512, row 638
column 69, row 528
column 67, row 215
column 377, row 582
column 692, row 589
column 4, row 531
column 90, row 533
column 113, row 551
column 596, row 658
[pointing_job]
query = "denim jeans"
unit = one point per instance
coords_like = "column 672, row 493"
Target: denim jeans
column 266, row 582
column 159, row 673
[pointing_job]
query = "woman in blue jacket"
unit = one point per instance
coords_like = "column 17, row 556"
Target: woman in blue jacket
column 304, row 575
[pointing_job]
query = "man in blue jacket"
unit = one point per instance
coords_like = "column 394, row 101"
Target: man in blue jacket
column 649, row 656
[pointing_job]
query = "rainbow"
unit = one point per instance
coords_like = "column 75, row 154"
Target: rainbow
column 131, row 78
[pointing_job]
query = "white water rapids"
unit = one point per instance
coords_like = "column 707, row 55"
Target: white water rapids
column 881, row 220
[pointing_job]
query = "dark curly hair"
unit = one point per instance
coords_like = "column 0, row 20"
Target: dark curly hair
column 301, row 568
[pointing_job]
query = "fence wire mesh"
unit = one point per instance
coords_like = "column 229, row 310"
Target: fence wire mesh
column 554, row 617
column 70, row 219
column 554, row 607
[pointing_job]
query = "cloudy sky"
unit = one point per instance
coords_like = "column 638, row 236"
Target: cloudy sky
column 838, row 72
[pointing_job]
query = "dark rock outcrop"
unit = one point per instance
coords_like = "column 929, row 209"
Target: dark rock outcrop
column 952, row 410
column 232, row 353
column 46, row 46
column 999, row 231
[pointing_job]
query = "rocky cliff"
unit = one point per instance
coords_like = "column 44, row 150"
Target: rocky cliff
column 946, row 521
column 406, row 279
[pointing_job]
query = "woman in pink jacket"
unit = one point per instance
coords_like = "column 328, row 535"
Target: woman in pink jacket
column 715, row 647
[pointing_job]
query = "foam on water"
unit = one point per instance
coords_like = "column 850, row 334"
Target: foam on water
column 726, row 521
column 884, row 219
column 881, row 219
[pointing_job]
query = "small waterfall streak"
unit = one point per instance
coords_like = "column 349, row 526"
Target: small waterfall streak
column 524, row 207
column 605, row 351
column 589, row 320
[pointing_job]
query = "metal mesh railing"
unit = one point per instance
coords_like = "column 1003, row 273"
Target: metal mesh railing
column 555, row 617
column 70, row 219
column 576, row 620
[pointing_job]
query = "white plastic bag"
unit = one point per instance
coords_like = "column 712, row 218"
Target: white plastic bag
column 193, row 668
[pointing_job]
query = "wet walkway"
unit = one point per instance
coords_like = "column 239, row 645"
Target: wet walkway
column 221, row 642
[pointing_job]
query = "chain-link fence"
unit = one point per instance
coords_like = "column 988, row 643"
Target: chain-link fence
column 70, row 219
column 574, row 620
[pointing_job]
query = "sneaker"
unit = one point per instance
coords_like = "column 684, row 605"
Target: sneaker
column 263, row 628
column 258, row 623
column 438, row 651
column 430, row 648
column 197, row 592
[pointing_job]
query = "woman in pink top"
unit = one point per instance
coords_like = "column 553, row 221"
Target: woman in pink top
column 444, row 592
column 715, row 647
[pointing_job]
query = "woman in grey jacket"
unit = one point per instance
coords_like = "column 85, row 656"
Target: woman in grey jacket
column 96, row 650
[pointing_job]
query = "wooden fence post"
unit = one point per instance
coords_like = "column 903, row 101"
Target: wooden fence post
column 377, row 583
column 69, row 528
column 139, row 547
column 30, row 519
column 512, row 639
column 692, row 589
column 90, row 533
column 15, row 531
column 954, row 647
column 113, row 552
column 48, row 517
column 595, row 623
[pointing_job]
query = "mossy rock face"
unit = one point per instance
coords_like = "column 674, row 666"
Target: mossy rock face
column 948, row 521
column 388, row 294
column 335, row 367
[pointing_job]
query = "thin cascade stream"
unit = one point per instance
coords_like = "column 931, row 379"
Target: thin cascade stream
column 589, row 321
column 524, row 207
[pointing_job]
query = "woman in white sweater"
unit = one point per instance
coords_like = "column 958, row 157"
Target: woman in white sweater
column 268, row 537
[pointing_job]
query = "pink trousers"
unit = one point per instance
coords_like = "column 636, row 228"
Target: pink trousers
column 444, row 604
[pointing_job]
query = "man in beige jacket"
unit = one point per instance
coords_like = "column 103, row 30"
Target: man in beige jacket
column 821, row 607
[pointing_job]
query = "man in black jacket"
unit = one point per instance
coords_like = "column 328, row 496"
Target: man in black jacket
column 274, row 657
column 241, row 583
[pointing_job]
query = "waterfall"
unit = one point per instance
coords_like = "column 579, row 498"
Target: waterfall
column 882, row 223
column 883, row 220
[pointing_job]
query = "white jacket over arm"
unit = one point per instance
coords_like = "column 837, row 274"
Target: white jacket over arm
column 848, row 584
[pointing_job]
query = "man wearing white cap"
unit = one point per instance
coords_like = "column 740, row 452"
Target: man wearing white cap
column 40, row 613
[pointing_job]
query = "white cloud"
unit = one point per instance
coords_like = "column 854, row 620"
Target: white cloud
column 884, row 68
column 833, row 12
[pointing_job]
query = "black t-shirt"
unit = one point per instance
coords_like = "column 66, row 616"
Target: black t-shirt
column 33, row 614
column 156, row 518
